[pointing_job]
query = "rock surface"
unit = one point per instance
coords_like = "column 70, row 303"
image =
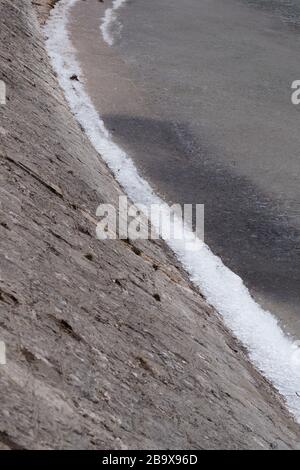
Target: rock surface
column 42, row 8
column 108, row 344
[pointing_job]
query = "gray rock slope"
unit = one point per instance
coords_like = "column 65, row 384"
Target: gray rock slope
column 108, row 344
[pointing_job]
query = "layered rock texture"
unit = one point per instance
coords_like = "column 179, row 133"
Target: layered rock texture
column 108, row 343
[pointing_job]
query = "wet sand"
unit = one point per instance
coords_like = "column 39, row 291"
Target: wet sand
column 198, row 93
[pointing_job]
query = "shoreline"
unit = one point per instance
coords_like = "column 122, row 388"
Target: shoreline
column 89, row 346
column 269, row 349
